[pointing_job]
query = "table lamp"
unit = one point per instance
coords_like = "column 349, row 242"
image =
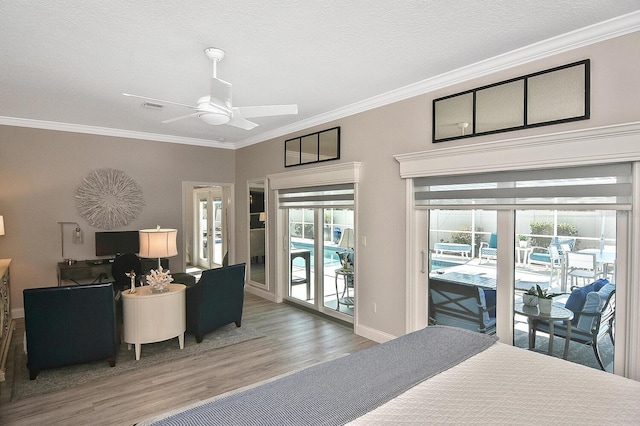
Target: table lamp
column 347, row 242
column 158, row 243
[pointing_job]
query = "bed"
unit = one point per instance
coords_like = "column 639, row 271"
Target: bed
column 437, row 375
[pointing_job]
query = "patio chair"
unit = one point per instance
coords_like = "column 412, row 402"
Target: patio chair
column 581, row 265
column 489, row 250
column 594, row 316
column 462, row 305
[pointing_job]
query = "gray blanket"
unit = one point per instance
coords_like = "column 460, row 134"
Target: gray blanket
column 344, row 389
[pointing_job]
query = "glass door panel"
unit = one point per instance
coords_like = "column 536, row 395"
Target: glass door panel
column 462, row 269
column 339, row 260
column 571, row 256
column 217, row 233
column 203, row 226
column 302, row 245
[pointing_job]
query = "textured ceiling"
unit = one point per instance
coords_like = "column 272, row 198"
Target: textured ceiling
column 65, row 64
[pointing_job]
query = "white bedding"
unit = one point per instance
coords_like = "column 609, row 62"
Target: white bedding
column 506, row 386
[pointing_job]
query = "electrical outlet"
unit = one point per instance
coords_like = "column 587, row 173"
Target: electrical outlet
column 364, row 241
column 374, row 307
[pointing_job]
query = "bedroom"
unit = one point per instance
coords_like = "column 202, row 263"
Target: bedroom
column 32, row 232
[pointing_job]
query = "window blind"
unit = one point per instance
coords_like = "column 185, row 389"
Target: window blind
column 563, row 188
column 341, row 195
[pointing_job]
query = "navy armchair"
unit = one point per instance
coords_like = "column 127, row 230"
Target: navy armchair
column 215, row 300
column 69, row 325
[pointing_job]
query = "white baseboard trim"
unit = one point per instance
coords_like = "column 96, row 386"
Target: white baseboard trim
column 373, row 334
column 261, row 293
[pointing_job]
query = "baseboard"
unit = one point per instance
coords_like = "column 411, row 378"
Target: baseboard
column 261, row 293
column 373, row 334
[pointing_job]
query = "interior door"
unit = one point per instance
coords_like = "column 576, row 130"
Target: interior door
column 203, row 228
column 209, row 229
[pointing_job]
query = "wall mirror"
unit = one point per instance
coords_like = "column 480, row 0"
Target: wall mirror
column 552, row 96
column 312, row 148
column 257, row 232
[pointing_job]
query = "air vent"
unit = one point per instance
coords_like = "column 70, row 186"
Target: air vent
column 152, row 105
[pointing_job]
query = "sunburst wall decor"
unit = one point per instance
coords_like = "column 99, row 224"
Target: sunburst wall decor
column 109, row 199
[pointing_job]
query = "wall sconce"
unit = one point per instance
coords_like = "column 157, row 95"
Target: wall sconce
column 1, row 225
column 158, row 243
column 76, row 238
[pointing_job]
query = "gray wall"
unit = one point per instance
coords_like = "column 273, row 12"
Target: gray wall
column 41, row 170
column 373, row 137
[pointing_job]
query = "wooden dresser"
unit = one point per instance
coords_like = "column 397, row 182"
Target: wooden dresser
column 6, row 322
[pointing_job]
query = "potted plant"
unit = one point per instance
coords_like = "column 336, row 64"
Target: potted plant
column 530, row 298
column 544, row 300
column 523, row 240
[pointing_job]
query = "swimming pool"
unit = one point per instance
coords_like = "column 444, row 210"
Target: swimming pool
column 330, row 254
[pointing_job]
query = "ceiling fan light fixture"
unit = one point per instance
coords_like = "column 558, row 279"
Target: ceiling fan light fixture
column 214, row 118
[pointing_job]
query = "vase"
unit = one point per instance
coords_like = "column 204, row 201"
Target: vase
column 530, row 300
column 523, row 244
column 544, row 305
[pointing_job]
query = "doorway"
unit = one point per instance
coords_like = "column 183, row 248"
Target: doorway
column 207, row 222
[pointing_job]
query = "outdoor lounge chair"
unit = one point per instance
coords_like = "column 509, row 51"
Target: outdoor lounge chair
column 543, row 256
column 489, row 250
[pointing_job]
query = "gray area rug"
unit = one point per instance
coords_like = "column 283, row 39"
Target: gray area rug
column 57, row 379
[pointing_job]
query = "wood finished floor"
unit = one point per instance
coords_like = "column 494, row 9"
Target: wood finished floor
column 295, row 339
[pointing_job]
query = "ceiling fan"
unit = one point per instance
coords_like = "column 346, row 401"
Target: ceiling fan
column 216, row 108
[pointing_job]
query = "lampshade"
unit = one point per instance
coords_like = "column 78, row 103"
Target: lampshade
column 1, row 225
column 262, row 217
column 158, row 242
column 347, row 239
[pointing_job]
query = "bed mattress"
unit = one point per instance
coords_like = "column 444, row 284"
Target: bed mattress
column 504, row 385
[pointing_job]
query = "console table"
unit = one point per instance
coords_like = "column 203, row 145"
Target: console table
column 153, row 317
column 6, row 322
column 90, row 271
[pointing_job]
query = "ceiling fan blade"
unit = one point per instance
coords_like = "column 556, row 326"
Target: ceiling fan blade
column 221, row 90
column 242, row 123
column 265, row 110
column 158, row 100
column 182, row 117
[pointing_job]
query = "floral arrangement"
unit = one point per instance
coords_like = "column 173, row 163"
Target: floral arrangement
column 159, row 279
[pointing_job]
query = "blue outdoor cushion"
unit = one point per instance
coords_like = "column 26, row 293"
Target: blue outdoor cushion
column 578, row 296
column 493, row 241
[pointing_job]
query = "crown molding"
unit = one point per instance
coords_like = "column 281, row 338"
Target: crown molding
column 107, row 131
column 602, row 31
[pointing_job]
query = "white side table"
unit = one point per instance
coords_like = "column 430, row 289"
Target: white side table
column 346, row 299
column 153, row 317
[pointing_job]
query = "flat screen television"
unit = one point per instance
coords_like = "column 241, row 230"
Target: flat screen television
column 117, row 242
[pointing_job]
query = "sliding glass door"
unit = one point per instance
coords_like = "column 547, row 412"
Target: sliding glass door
column 321, row 259
column 561, row 234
